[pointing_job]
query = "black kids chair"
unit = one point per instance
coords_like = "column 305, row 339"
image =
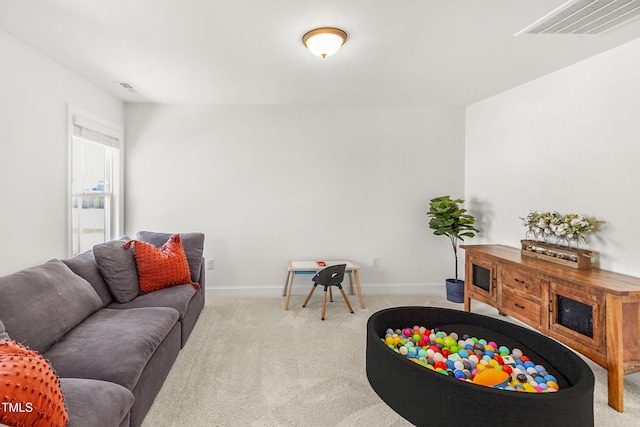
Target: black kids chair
column 330, row 276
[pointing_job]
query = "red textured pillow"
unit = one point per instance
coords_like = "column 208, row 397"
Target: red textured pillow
column 29, row 389
column 161, row 267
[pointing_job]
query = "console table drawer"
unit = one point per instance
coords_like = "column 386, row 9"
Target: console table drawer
column 517, row 279
column 521, row 308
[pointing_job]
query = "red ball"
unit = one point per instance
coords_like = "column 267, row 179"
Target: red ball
column 508, row 369
column 421, row 343
column 446, row 352
column 440, row 364
column 498, row 359
column 435, row 348
column 524, row 358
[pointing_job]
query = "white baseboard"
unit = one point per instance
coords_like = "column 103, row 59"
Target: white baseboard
column 368, row 289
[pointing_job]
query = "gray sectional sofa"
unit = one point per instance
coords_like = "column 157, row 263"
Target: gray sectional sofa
column 111, row 353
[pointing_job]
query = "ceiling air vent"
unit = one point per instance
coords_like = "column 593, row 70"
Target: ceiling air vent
column 128, row 86
column 585, row 17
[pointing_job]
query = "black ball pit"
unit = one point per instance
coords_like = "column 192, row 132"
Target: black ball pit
column 424, row 397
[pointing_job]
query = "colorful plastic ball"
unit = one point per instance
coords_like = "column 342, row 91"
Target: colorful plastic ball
column 524, row 358
column 458, row 374
column 491, row 378
column 503, row 350
column 508, row 369
column 458, row 365
column 550, row 377
column 463, row 353
column 448, row 341
column 440, row 365
column 516, row 352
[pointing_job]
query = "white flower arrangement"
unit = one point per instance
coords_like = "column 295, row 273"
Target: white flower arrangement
column 563, row 228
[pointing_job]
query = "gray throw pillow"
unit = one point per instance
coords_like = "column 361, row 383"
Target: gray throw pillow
column 118, row 268
column 40, row 304
column 193, row 244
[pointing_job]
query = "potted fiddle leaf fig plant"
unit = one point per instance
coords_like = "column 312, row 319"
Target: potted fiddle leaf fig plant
column 447, row 218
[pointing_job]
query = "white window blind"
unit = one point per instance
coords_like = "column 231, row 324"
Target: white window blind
column 95, row 132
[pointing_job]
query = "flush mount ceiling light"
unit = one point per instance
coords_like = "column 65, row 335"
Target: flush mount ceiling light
column 324, row 41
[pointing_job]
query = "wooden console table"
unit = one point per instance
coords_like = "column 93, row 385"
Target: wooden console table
column 595, row 312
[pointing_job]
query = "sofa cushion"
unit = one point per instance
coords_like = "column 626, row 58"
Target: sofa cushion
column 29, row 382
column 161, row 267
column 193, row 244
column 94, row 403
column 40, row 304
column 85, row 266
column 176, row 297
column 113, row 345
column 118, row 268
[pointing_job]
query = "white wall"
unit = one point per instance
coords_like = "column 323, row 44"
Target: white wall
column 269, row 183
column 568, row 142
column 34, row 97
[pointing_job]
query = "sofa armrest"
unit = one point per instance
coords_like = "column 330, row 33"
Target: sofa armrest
column 203, row 270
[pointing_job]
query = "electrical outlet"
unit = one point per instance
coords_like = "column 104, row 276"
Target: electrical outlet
column 374, row 261
column 209, row 264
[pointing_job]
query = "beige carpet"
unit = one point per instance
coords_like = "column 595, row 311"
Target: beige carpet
column 249, row 363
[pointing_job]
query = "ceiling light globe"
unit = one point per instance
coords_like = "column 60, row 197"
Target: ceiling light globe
column 324, row 42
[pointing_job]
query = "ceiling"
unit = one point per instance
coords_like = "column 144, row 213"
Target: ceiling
column 399, row 52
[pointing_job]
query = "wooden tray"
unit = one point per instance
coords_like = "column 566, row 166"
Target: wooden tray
column 577, row 258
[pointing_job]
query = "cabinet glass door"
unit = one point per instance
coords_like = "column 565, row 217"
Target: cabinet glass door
column 577, row 315
column 481, row 275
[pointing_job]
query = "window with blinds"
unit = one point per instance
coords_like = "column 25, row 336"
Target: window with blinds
column 95, row 183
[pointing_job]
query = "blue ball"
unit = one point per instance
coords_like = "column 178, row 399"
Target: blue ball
column 459, row 374
column 463, row 353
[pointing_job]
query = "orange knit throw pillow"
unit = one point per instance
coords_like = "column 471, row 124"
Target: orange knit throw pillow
column 162, row 267
column 29, row 389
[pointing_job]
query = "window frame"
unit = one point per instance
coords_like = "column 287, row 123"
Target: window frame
column 116, row 208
